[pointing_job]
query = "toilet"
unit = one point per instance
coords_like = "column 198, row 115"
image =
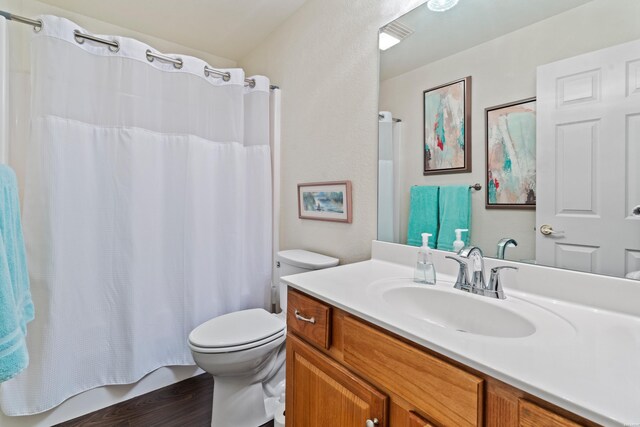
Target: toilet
column 245, row 352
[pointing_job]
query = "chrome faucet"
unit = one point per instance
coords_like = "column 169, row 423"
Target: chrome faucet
column 476, row 262
column 471, row 257
column 503, row 244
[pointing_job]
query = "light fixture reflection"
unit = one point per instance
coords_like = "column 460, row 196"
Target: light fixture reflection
column 387, row 40
column 441, row 5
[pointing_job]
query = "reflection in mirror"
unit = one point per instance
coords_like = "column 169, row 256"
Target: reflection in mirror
column 555, row 98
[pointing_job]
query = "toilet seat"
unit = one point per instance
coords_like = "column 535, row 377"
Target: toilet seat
column 237, row 331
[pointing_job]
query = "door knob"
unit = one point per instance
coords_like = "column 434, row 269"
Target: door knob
column 548, row 230
column 372, row 423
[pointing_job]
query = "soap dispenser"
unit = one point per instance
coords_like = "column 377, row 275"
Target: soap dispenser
column 459, row 243
column 425, row 272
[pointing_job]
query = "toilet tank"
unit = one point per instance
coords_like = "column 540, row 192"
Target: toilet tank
column 296, row 261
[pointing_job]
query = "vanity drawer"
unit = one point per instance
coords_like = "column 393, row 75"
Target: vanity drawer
column 448, row 395
column 532, row 415
column 309, row 318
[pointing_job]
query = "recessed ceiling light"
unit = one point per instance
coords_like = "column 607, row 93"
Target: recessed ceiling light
column 441, row 5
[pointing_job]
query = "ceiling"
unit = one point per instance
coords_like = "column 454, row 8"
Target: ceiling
column 477, row 21
column 227, row 28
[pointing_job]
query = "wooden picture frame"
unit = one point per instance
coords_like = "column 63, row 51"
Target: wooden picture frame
column 510, row 131
column 325, row 201
column 446, row 128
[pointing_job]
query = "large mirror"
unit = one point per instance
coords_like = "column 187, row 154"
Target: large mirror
column 538, row 102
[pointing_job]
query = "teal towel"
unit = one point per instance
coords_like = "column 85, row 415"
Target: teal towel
column 423, row 215
column 16, row 307
column 455, row 212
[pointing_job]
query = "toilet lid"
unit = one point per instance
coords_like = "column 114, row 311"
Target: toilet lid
column 305, row 259
column 237, row 329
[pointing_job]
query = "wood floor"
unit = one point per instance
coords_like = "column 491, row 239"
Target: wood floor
column 184, row 404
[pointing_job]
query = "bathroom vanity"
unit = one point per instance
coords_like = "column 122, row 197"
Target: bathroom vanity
column 366, row 346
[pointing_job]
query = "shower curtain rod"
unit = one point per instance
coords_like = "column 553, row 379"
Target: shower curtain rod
column 37, row 24
column 114, row 46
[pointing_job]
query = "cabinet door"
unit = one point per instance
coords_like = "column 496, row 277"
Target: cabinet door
column 321, row 393
column 448, row 395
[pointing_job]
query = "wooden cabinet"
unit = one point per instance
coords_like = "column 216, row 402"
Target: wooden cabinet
column 532, row 415
column 322, row 393
column 309, row 318
column 448, row 394
column 416, row 420
column 343, row 371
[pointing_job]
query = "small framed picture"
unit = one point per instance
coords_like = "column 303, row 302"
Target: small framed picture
column 325, row 201
column 511, row 155
column 447, row 128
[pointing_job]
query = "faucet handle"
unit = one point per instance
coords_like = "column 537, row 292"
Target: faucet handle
column 462, row 282
column 495, row 286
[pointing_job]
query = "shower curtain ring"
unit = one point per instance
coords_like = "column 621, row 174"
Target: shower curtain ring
column 77, row 37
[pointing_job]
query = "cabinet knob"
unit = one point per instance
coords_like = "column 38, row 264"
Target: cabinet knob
column 371, row 423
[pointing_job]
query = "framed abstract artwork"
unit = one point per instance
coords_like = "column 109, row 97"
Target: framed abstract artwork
column 511, row 155
column 446, row 126
column 325, row 201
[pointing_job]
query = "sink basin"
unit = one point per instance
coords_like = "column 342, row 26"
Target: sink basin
column 458, row 311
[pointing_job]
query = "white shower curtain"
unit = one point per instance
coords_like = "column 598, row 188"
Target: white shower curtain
column 4, row 91
column 389, row 182
column 147, row 211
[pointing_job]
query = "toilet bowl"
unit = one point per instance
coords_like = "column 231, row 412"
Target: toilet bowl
column 245, row 352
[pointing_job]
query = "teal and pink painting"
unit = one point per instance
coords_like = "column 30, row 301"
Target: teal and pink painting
column 446, row 119
column 511, row 155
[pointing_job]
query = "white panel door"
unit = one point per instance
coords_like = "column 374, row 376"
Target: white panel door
column 588, row 161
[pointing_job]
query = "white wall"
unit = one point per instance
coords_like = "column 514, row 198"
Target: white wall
column 18, row 117
column 502, row 70
column 325, row 58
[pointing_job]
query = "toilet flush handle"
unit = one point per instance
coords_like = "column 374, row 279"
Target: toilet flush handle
column 311, row 320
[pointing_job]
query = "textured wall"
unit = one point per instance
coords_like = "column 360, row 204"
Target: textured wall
column 325, row 58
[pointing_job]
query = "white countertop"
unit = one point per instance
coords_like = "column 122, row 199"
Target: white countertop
column 581, row 358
